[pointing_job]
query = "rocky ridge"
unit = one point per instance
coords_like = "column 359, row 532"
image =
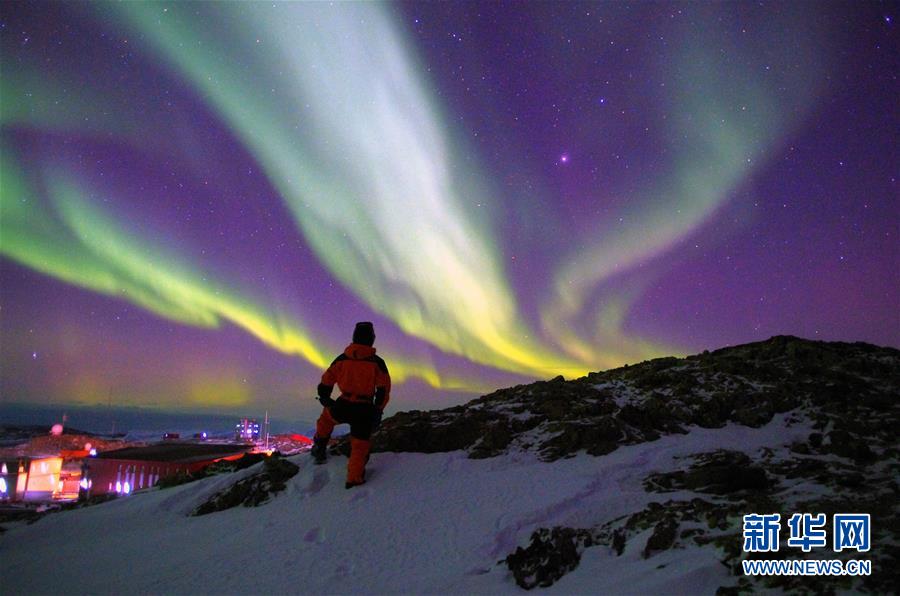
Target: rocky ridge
column 845, row 393
column 844, row 387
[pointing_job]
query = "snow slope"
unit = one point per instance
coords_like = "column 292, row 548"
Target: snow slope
column 425, row 523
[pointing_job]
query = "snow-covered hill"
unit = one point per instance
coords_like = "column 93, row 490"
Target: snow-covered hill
column 656, row 509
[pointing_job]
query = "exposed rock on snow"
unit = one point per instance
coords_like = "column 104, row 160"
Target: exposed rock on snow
column 719, row 472
column 253, row 490
column 846, row 392
column 844, row 387
column 551, row 554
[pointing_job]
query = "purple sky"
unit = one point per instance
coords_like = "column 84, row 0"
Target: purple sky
column 199, row 200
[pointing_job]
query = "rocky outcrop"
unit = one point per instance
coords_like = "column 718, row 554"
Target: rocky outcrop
column 551, row 554
column 253, row 490
column 721, row 487
column 847, row 394
column 849, row 389
column 720, row 472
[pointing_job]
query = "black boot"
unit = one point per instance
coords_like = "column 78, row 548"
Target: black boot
column 319, row 450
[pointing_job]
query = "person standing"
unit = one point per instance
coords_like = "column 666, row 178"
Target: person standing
column 365, row 386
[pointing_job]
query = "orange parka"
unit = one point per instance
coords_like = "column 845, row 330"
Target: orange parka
column 360, row 375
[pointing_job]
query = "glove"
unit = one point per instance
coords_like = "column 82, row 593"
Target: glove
column 325, row 401
column 376, row 418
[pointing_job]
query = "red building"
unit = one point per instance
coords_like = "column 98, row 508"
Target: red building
column 126, row 470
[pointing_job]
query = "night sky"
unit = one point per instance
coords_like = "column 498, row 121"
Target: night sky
column 200, row 199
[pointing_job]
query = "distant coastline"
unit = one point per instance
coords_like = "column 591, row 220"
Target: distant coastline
column 138, row 423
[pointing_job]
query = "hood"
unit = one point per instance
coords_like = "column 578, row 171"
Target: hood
column 359, row 351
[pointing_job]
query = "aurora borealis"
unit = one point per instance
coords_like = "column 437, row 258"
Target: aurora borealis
column 198, row 200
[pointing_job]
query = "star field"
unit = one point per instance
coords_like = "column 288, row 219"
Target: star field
column 199, row 200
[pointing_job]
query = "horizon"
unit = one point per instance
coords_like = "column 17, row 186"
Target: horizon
column 142, row 420
column 25, row 413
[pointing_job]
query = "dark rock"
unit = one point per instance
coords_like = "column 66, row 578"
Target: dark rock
column 663, row 537
column 177, row 479
column 801, row 448
column 619, row 538
column 712, row 412
column 754, row 413
column 850, row 480
column 494, row 441
column 846, row 444
column 252, row 491
column 598, row 438
column 551, row 554
column 725, row 479
column 720, row 472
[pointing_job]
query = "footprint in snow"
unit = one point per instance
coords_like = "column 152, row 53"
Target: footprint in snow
column 319, row 480
column 314, row 536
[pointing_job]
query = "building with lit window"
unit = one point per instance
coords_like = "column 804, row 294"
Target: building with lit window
column 133, row 468
column 48, row 467
column 247, row 430
column 41, row 478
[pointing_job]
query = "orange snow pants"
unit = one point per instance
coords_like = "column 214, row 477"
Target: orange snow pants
column 359, row 416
